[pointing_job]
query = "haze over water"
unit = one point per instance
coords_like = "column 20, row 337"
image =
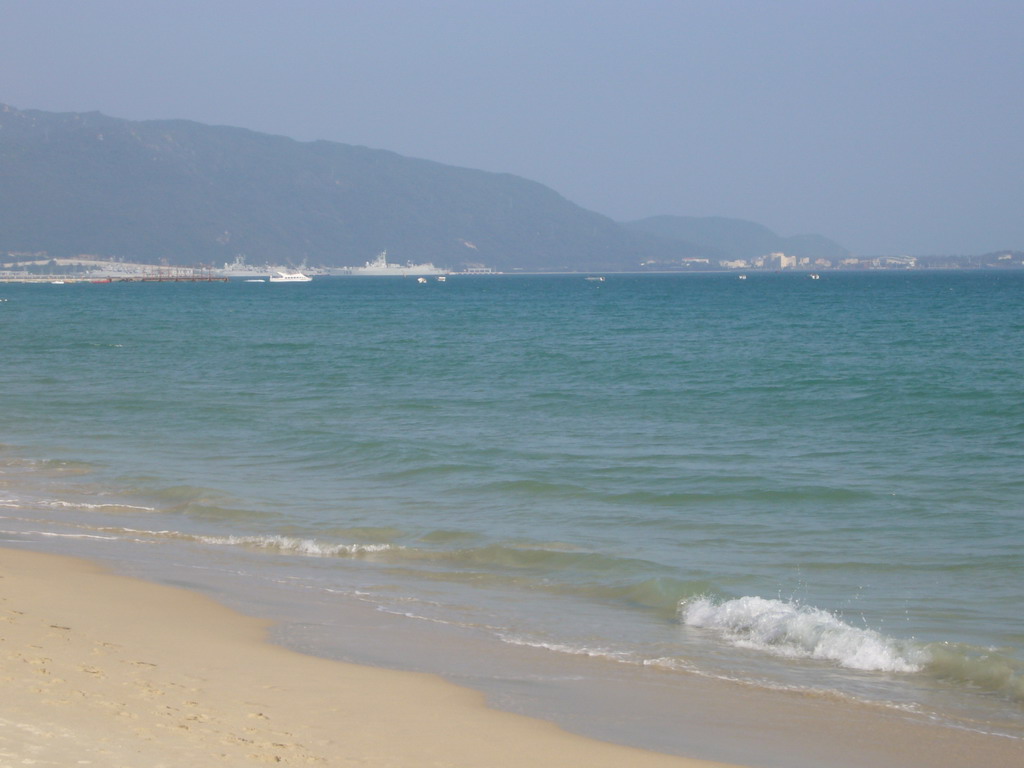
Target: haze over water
column 800, row 484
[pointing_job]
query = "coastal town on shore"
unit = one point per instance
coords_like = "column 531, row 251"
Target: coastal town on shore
column 41, row 267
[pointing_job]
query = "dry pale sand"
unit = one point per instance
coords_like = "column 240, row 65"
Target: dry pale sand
column 99, row 669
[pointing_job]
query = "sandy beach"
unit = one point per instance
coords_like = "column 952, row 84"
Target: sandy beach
column 102, row 669
column 99, row 669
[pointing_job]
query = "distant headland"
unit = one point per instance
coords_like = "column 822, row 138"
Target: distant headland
column 84, row 187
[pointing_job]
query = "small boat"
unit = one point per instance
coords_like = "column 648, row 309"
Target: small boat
column 421, row 279
column 815, row 276
column 255, row 280
column 595, row 279
column 442, row 279
column 743, row 277
column 290, row 277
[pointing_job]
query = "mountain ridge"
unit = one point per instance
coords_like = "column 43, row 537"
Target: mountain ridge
column 184, row 192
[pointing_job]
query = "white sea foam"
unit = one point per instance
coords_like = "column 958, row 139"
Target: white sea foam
column 57, row 535
column 58, row 504
column 672, row 663
column 797, row 631
column 571, row 649
column 292, row 545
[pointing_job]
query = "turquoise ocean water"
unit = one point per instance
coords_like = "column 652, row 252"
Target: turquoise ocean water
column 812, row 485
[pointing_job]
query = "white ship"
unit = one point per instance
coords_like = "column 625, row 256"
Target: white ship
column 380, row 266
column 273, row 272
column 289, row 277
column 238, row 268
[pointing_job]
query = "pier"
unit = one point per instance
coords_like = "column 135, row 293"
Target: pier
column 171, row 277
column 160, row 276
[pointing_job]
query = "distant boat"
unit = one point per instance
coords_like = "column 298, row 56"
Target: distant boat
column 815, row 276
column 255, row 280
column 381, row 266
column 743, row 277
column 289, row 277
column 595, row 279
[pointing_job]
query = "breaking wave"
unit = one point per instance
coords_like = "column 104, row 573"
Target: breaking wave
column 798, row 631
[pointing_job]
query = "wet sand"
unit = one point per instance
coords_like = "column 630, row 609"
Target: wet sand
column 101, row 669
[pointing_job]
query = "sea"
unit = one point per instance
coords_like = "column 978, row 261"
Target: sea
column 579, row 496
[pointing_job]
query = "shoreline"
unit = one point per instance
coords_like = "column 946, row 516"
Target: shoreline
column 123, row 670
column 536, row 510
column 103, row 668
column 184, row 274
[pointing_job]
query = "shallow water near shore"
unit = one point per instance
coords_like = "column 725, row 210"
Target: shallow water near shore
column 777, row 483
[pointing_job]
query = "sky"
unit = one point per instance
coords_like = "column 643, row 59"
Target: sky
column 890, row 126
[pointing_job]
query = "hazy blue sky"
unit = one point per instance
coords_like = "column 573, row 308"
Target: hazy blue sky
column 893, row 126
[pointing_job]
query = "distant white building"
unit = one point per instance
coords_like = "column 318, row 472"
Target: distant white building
column 906, row 262
column 779, row 261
